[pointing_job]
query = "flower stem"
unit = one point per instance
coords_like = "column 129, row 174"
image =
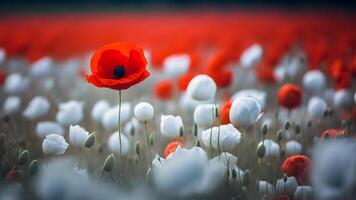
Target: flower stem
column 81, row 156
column 120, row 122
column 148, row 144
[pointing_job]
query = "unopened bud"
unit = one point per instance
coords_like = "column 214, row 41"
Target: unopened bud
column 264, row 129
column 287, row 125
column 132, row 131
column 23, row 157
column 285, row 178
column 137, row 147
column 33, row 167
column 151, row 140
column 280, row 135
column 297, row 129
column 233, row 173
column 195, row 130
column 109, row 163
column 89, row 142
column 216, row 111
column 181, row 131
column 261, row 150
column 246, row 177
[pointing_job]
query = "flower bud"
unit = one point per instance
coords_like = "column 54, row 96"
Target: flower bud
column 137, row 147
column 261, row 150
column 280, row 135
column 33, row 167
column 297, row 128
column 89, row 142
column 109, row 163
column 233, row 173
column 264, row 129
column 287, row 125
column 151, row 140
column 197, row 143
column 195, row 130
column 246, row 177
column 181, row 131
column 23, row 157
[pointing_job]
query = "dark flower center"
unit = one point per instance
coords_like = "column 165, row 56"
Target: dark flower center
column 119, row 71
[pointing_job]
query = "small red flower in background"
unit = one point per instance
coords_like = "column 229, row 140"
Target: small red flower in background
column 118, row 66
column 225, row 112
column 222, row 77
column 170, row 148
column 298, row 166
column 184, row 80
column 290, row 96
column 341, row 74
column 265, row 74
column 3, row 76
column 164, row 89
column 332, row 133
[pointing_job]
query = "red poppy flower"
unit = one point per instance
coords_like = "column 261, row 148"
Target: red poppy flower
column 290, row 96
column 265, row 74
column 164, row 89
column 222, row 77
column 184, row 80
column 170, row 148
column 297, row 166
column 224, row 113
column 118, row 66
column 3, row 76
column 332, row 133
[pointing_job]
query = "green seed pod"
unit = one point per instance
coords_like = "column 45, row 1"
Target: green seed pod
column 261, row 150
column 246, row 177
column 33, row 167
column 233, row 173
column 89, row 142
column 132, row 131
column 279, row 135
column 137, row 147
column 151, row 140
column 109, row 163
column 287, row 125
column 264, row 129
column 297, row 128
column 195, row 130
column 23, row 157
column 197, row 143
column 181, row 131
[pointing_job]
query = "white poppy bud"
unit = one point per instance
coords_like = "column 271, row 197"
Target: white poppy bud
column 70, row 113
column 171, row 125
column 272, row 148
column 202, row 88
column 99, row 110
column 176, row 65
column 316, row 107
column 286, row 187
column 342, row 99
column 265, row 188
column 244, row 111
column 114, row 143
column 204, row 115
column 144, row 112
column 314, row 81
column 259, row 95
column 77, row 135
column 293, row 148
column 54, row 144
column 47, row 127
column 37, row 107
column 229, row 137
column 11, row 105
column 111, row 116
column 303, row 193
column 251, row 56
column 41, row 67
column 16, row 83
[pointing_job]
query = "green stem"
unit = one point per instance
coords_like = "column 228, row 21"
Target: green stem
column 148, row 144
column 81, row 156
column 120, row 122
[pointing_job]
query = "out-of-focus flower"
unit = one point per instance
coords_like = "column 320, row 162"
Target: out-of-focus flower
column 298, row 166
column 111, row 116
column 99, row 110
column 188, row 104
column 144, row 112
column 272, row 148
column 204, row 115
column 286, row 186
column 289, row 68
column 11, row 105
column 171, row 125
column 293, row 148
column 54, row 144
column 47, row 127
column 244, row 111
column 114, row 143
column 3, row 76
column 171, row 147
column 316, row 107
column 77, row 135
column 303, row 193
column 132, row 127
column 251, row 56
column 41, row 67
column 228, row 139
column 314, row 81
column 164, row 89
column 342, row 99
column 202, row 88
column 332, row 133
column 70, row 113
column 259, row 95
column 118, row 66
column 265, row 188
column 176, row 65
column 184, row 81
column 290, row 96
column 16, row 83
column 38, row 107
column 225, row 112
column 334, row 170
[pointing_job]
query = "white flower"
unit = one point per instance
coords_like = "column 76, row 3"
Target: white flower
column 303, row 193
column 77, row 135
column 286, row 188
column 70, row 113
column 293, row 148
column 38, row 107
column 272, row 148
column 99, row 110
column 176, row 65
column 54, row 144
column 110, row 119
column 202, row 88
column 244, row 111
column 171, row 125
column 314, row 81
column 227, row 159
column 288, row 68
column 132, row 127
column 41, row 67
column 11, row 105
column 204, row 115
column 251, row 56
column 47, row 127
column 16, row 83
column 316, row 107
column 265, row 188
column 343, row 99
column 229, row 137
column 259, row 95
column 188, row 104
column 114, row 143
column 144, row 112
